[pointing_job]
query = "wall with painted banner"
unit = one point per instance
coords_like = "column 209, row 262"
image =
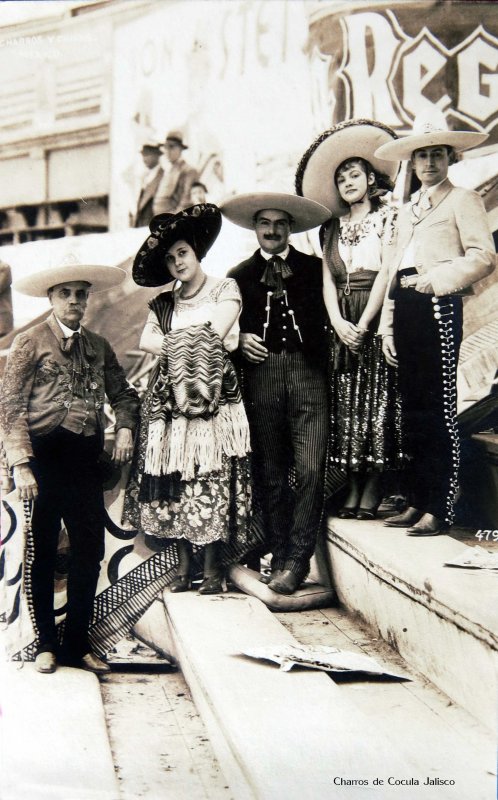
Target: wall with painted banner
column 389, row 61
column 234, row 76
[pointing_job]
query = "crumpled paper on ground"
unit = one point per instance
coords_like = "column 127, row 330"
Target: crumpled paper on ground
column 475, row 558
column 328, row 659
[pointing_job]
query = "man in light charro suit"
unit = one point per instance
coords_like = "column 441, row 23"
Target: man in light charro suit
column 444, row 245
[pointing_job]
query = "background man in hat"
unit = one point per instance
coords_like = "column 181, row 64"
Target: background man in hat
column 52, row 426
column 283, row 343
column 151, row 153
column 444, row 245
column 173, row 193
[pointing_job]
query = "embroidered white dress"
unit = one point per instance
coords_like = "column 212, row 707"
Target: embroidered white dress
column 208, row 507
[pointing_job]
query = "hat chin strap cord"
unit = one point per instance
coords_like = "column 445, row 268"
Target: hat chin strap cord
column 356, row 202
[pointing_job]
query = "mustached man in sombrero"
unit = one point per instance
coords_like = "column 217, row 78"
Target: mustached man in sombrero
column 52, row 428
column 283, row 348
column 444, row 245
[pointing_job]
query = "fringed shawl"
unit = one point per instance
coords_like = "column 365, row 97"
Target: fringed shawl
column 196, row 411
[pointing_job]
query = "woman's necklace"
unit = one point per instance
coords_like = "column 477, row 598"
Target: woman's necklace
column 349, row 234
column 194, row 294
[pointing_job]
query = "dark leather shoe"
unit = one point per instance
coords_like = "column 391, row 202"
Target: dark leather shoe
column 211, row 585
column 286, row 583
column 367, row 513
column 181, row 583
column 92, row 663
column 347, row 513
column 266, row 578
column 45, row 662
column 404, row 520
column 433, row 527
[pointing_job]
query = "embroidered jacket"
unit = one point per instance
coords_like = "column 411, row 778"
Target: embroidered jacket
column 36, row 390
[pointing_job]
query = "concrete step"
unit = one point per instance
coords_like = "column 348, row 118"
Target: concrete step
column 300, row 734
column 54, row 743
column 442, row 620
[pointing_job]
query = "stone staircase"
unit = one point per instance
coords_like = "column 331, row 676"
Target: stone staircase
column 299, row 734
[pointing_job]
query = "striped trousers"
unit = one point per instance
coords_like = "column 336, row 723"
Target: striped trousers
column 286, row 403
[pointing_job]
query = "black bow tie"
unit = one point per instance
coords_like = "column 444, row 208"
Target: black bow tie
column 80, row 350
column 276, row 272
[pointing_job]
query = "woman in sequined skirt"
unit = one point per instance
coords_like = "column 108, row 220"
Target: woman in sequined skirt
column 365, row 424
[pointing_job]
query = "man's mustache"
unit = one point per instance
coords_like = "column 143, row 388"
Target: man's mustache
column 272, row 237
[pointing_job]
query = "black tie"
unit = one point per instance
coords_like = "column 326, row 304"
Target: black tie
column 276, row 272
column 79, row 349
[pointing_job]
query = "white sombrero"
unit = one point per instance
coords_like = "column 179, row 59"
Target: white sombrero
column 354, row 137
column 429, row 130
column 306, row 214
column 99, row 277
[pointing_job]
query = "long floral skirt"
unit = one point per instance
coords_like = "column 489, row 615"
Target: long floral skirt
column 209, row 508
column 365, row 407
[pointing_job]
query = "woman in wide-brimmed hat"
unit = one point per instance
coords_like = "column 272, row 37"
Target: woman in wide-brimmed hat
column 341, row 171
column 190, row 476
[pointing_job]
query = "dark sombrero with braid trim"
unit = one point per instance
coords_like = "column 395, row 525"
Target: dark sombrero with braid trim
column 198, row 225
column 355, row 137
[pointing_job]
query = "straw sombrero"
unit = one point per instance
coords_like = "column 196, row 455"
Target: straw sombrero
column 198, row 225
column 429, row 130
column 355, row 137
column 306, row 214
column 98, row 276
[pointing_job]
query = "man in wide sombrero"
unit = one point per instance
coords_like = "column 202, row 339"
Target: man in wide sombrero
column 444, row 245
column 52, row 427
column 283, row 345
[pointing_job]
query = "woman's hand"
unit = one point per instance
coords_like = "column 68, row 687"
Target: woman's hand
column 27, row 488
column 123, row 447
column 349, row 334
column 252, row 347
column 389, row 350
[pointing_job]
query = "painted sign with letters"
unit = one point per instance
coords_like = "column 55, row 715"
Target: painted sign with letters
column 391, row 63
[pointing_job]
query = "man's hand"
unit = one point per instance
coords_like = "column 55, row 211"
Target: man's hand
column 252, row 347
column 27, row 488
column 420, row 283
column 424, row 285
column 123, row 446
column 389, row 350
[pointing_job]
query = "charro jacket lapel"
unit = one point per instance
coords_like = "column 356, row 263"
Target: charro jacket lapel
column 436, row 198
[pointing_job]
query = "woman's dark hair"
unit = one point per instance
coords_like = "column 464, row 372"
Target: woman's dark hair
column 188, row 236
column 381, row 185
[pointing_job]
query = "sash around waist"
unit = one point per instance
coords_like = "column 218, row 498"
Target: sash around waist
column 359, row 279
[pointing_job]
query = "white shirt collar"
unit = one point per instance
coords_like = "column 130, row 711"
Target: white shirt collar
column 283, row 254
column 150, row 175
column 427, row 192
column 65, row 330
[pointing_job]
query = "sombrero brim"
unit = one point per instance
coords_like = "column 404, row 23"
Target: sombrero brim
column 360, row 138
column 402, row 149
column 203, row 220
column 306, row 213
column 98, row 276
